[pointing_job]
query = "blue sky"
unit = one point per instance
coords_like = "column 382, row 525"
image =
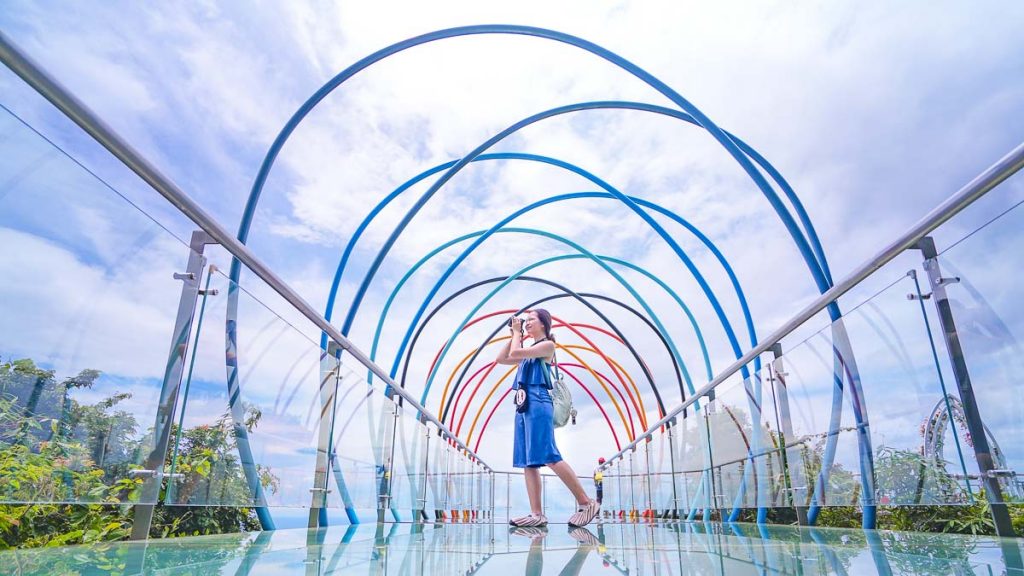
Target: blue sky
column 874, row 112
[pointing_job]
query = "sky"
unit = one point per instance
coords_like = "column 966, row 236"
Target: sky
column 873, row 112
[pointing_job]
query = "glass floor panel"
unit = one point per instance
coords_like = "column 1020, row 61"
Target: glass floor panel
column 495, row 549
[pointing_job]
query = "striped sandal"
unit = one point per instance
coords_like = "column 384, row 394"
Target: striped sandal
column 534, row 533
column 530, row 521
column 585, row 513
column 584, row 537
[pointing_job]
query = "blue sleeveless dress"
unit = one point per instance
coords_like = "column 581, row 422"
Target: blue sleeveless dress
column 534, row 438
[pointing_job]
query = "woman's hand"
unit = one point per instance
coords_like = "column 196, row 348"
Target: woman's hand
column 517, row 324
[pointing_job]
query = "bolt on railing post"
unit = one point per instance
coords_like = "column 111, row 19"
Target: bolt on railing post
column 154, row 463
column 975, row 424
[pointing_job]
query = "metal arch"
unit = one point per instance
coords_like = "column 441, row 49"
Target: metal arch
column 755, row 404
column 422, row 261
column 713, row 300
column 581, row 297
column 575, row 169
column 464, row 365
column 629, row 425
column 700, row 118
column 593, row 258
column 864, row 438
column 454, row 399
column 753, row 394
column 520, row 272
column 613, row 58
column 598, row 376
column 763, row 163
column 472, row 395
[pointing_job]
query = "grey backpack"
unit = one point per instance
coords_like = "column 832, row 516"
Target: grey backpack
column 561, row 398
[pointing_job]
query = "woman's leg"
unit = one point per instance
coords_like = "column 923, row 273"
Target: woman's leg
column 532, row 476
column 566, row 474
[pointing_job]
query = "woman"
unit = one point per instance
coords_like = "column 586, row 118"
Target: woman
column 534, row 442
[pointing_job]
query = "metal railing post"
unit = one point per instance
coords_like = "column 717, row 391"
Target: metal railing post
column 421, row 511
column 975, row 424
column 649, row 480
column 674, row 513
column 778, row 377
column 330, row 374
column 712, row 486
column 153, row 467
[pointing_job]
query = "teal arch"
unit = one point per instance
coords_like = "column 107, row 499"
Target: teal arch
column 584, row 254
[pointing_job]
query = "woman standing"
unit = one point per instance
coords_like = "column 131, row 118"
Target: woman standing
column 534, row 440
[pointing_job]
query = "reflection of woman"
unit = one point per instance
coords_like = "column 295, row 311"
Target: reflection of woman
column 534, row 440
column 586, row 543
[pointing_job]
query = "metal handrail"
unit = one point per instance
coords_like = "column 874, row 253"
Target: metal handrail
column 80, row 114
column 1005, row 167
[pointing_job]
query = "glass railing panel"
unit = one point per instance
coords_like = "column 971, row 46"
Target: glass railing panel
column 917, row 460
column 642, row 478
column 777, row 487
column 986, row 311
column 828, row 450
column 409, row 465
column 364, row 426
column 373, row 425
column 610, row 481
column 693, row 461
column 559, row 503
column 247, row 429
column 748, row 456
column 87, row 315
column 733, row 438
column 502, row 497
column 460, row 483
column 437, row 467
column 869, row 385
column 659, row 453
column 630, row 484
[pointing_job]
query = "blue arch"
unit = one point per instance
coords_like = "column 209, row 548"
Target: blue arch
column 412, row 270
column 820, row 278
column 586, row 253
column 353, row 310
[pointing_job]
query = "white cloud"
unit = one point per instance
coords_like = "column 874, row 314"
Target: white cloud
column 873, row 113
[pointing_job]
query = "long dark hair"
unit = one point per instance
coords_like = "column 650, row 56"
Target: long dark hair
column 545, row 318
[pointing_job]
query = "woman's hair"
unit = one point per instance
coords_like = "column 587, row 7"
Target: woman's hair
column 545, row 318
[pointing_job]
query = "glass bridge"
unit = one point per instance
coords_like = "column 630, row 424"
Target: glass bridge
column 884, row 413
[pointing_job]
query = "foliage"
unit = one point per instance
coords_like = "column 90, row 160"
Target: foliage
column 76, row 458
column 905, row 477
